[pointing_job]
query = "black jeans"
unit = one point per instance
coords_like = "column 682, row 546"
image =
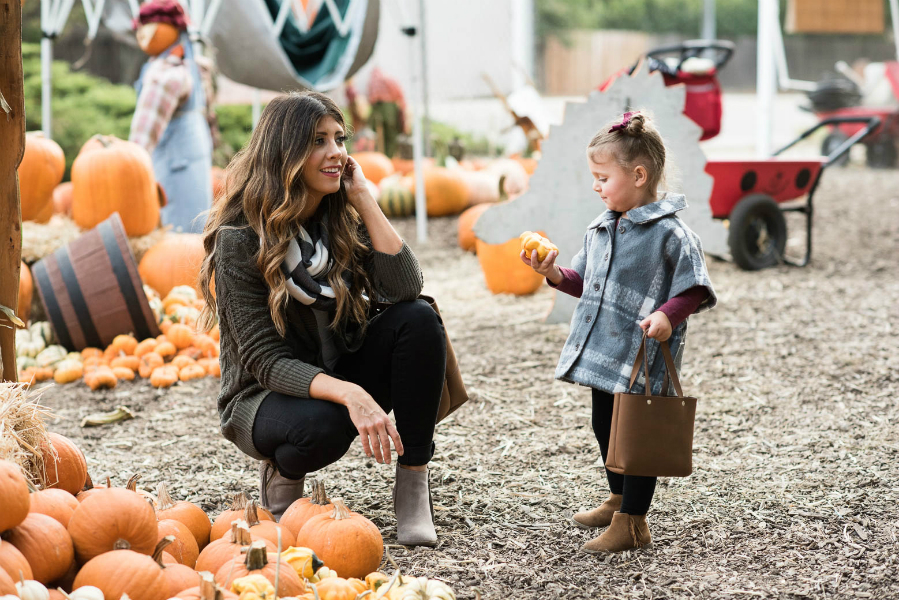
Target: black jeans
column 401, row 363
column 637, row 491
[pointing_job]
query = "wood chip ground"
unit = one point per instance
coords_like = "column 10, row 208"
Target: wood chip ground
column 795, row 490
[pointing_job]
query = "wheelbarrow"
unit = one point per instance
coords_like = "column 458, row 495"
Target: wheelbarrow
column 753, row 195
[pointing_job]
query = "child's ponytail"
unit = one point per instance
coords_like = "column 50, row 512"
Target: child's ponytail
column 633, row 139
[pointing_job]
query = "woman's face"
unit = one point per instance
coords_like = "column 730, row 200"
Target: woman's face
column 620, row 189
column 323, row 169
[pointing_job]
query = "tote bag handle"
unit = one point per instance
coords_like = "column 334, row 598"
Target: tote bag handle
column 670, row 369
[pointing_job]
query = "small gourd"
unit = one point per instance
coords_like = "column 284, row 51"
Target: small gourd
column 164, row 376
column 51, row 355
column 531, row 241
column 28, row 344
column 123, row 373
column 25, row 362
column 42, row 330
column 125, row 343
column 130, row 361
column 147, row 345
column 148, row 363
column 303, row 560
column 190, row 372
column 422, row 588
column 182, row 360
column 101, row 378
column 180, row 335
column 166, row 349
column 68, row 370
column 29, row 589
column 253, row 587
column 87, row 592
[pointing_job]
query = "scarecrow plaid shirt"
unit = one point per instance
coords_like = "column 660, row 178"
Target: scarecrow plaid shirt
column 167, row 84
column 629, row 272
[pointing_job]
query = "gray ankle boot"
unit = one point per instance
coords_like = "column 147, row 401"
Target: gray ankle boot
column 413, row 508
column 277, row 492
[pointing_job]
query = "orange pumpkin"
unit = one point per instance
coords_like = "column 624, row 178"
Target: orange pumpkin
column 211, row 365
column 191, row 372
column 445, row 192
column 483, row 186
column 182, row 360
column 267, row 530
column 12, row 561
column 112, row 175
column 345, row 541
column 503, row 270
column 338, row 588
column 148, row 363
column 125, row 343
column 124, row 572
column 178, row 576
column 207, row 346
column 155, row 37
column 26, row 291
column 7, row 585
column 466, row 226
column 165, row 349
column 375, row 165
column 222, row 550
column 164, row 376
column 208, row 590
column 217, row 174
column 90, row 352
column 123, row 373
column 45, row 544
column 129, row 362
column 186, row 512
column 259, row 562
column 147, row 345
column 180, row 335
column 14, row 493
column 65, row 464
column 41, row 170
column 304, row 509
column 62, row 199
column 101, row 378
column 112, row 519
column 237, row 510
column 176, row 260
column 184, row 546
column 55, row 503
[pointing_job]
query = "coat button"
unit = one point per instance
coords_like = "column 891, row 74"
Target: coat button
column 589, row 318
column 596, row 287
column 577, row 346
column 621, row 229
column 606, row 257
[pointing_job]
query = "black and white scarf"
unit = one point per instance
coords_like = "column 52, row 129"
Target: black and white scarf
column 306, row 267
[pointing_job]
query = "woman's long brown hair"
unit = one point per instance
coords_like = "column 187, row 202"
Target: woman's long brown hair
column 264, row 190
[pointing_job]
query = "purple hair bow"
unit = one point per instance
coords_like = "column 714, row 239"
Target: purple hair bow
column 626, row 119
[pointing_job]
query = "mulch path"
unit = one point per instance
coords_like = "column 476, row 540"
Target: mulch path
column 795, row 490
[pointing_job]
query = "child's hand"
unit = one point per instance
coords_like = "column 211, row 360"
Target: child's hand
column 657, row 326
column 547, row 268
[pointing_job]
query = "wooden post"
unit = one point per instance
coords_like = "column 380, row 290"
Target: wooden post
column 12, row 147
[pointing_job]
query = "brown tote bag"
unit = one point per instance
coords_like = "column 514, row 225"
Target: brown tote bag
column 652, row 436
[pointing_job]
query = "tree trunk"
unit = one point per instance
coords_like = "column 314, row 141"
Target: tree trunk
column 12, row 147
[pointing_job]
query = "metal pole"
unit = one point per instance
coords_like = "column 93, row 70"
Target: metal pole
column 766, row 88
column 46, row 85
column 257, row 106
column 894, row 14
column 421, row 206
column 709, row 28
column 425, row 108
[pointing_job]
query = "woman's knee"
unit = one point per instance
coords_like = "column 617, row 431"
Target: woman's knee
column 419, row 318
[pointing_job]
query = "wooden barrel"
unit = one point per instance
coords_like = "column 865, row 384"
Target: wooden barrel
column 91, row 291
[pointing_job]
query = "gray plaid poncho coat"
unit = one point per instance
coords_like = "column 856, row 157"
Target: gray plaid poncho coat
column 628, row 273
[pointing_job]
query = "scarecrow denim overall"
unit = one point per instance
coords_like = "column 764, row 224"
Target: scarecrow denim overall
column 182, row 160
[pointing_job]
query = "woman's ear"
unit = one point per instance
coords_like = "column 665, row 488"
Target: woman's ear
column 641, row 176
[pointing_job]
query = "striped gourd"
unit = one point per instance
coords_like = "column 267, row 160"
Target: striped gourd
column 397, row 200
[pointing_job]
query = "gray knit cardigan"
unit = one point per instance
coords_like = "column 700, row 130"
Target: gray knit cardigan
column 255, row 359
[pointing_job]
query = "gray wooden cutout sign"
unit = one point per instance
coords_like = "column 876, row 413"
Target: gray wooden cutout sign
column 561, row 201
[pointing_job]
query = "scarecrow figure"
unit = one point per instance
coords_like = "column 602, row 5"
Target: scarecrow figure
column 170, row 117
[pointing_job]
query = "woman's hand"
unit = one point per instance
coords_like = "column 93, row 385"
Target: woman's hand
column 657, row 326
column 374, row 426
column 547, row 268
column 356, row 185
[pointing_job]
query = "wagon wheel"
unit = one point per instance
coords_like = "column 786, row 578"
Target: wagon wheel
column 833, row 141
column 881, row 153
column 758, row 233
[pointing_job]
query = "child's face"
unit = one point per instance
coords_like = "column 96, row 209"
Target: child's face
column 620, row 189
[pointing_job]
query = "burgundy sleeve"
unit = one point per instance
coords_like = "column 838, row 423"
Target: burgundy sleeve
column 684, row 304
column 571, row 284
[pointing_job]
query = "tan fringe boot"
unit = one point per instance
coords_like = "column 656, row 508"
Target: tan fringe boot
column 626, row 532
column 600, row 516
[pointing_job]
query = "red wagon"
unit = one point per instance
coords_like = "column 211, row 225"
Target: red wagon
column 752, row 195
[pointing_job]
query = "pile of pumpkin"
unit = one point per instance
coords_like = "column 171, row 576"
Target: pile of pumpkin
column 448, row 190
column 87, row 542
column 178, row 354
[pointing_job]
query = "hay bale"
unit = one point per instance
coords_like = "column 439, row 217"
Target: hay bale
column 22, row 430
column 43, row 239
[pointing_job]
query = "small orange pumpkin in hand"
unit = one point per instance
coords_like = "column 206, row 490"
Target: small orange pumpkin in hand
column 531, row 241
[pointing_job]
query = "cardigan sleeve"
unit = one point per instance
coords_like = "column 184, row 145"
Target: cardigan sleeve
column 242, row 295
column 395, row 277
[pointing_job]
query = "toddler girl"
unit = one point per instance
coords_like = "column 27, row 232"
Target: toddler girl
column 641, row 270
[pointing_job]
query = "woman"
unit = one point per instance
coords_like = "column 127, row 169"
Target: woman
column 304, row 260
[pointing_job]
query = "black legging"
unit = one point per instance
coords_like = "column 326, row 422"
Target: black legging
column 401, row 363
column 637, row 491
